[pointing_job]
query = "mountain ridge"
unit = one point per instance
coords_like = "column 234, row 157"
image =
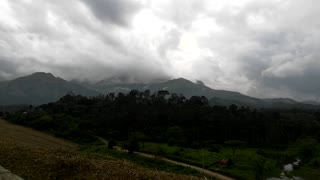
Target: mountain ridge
column 41, row 87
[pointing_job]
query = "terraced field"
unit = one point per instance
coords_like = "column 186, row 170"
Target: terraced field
column 35, row 155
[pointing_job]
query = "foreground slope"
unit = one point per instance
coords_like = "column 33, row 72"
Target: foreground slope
column 34, row 155
column 29, row 137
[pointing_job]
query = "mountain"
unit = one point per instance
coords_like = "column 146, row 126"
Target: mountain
column 188, row 89
column 185, row 87
column 38, row 88
column 311, row 102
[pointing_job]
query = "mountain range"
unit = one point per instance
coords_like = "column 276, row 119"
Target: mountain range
column 40, row 88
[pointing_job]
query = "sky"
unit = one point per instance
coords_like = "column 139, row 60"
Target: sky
column 261, row 48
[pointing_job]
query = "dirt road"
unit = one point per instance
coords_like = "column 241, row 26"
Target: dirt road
column 207, row 172
column 210, row 173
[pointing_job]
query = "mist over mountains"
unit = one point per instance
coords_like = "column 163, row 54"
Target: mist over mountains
column 40, row 88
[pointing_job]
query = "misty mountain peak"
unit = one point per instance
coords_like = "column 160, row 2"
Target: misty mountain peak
column 38, row 77
column 282, row 100
column 39, row 88
column 181, row 80
column 200, row 82
column 41, row 75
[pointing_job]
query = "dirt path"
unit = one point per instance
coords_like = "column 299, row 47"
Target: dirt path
column 210, row 173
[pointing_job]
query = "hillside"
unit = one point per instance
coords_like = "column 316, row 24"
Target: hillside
column 38, row 88
column 35, row 155
column 26, row 136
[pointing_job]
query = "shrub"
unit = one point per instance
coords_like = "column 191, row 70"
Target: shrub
column 133, row 145
column 235, row 144
column 171, row 141
column 124, row 145
column 215, row 148
column 111, row 143
column 315, row 163
column 307, row 148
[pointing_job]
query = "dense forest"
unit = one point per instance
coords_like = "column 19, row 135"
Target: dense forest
column 168, row 118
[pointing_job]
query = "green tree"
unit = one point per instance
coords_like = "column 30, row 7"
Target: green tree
column 307, row 148
column 175, row 135
column 133, row 144
column 141, row 137
column 235, row 144
column 111, row 143
column 44, row 122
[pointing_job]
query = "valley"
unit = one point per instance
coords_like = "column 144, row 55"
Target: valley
column 183, row 130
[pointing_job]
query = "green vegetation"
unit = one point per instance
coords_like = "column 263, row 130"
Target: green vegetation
column 247, row 163
column 153, row 164
column 238, row 141
column 307, row 172
column 308, row 150
column 165, row 118
column 234, row 144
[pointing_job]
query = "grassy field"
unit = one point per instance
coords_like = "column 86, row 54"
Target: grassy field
column 246, row 160
column 152, row 164
column 34, row 155
column 27, row 136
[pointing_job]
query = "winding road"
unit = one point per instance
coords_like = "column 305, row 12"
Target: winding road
column 151, row 156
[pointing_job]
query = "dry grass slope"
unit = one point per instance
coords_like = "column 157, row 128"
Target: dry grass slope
column 29, row 136
column 34, row 155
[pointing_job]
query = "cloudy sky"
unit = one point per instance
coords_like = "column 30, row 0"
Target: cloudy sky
column 262, row 48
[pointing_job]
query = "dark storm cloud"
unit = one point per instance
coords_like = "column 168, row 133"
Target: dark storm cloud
column 7, row 66
column 180, row 12
column 304, row 84
column 7, row 69
column 113, row 11
column 11, row 67
column 260, row 48
column 273, row 45
column 63, row 37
